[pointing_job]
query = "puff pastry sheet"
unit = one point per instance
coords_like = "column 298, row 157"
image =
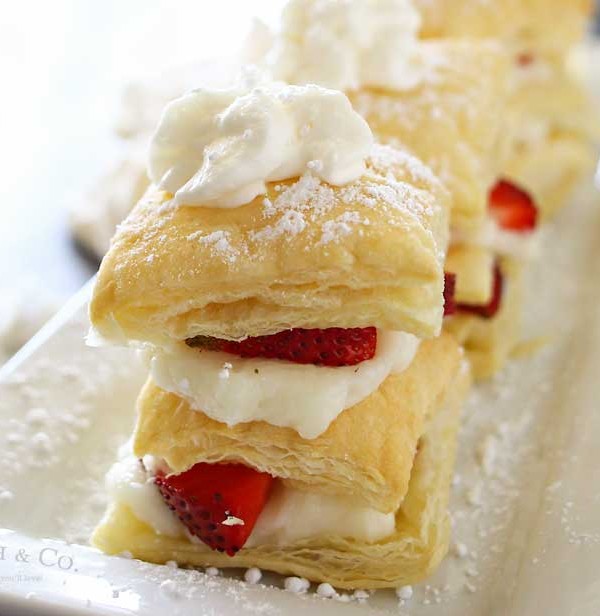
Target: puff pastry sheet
column 418, row 545
column 374, row 471
column 550, row 26
column 456, row 119
column 489, row 343
column 306, row 255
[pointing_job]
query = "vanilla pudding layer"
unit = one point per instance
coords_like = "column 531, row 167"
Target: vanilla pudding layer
column 307, row 398
column 500, row 241
column 288, row 516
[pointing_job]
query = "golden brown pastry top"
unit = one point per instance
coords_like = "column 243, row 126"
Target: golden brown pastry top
column 306, row 255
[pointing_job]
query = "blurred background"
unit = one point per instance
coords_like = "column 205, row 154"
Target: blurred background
column 65, row 65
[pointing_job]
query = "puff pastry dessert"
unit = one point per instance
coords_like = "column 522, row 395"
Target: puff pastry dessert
column 286, row 282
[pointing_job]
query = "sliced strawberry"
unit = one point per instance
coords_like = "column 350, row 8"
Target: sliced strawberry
column 512, row 207
column 489, row 310
column 335, row 346
column 218, row 503
column 449, row 290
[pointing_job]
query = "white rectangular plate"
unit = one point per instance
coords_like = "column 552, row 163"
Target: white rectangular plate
column 525, row 505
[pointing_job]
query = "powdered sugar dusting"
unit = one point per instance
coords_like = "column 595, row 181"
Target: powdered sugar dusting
column 309, row 201
column 291, row 222
column 220, row 243
column 334, row 230
column 51, row 436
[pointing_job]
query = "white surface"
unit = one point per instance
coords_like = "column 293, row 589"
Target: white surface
column 526, row 503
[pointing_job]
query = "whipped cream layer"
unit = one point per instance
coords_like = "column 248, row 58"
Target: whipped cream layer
column 501, row 241
column 218, row 148
column 307, row 398
column 348, row 44
column 289, row 515
column 130, row 483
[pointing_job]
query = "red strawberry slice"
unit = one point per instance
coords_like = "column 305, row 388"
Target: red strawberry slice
column 218, row 503
column 449, row 290
column 335, row 346
column 489, row 310
column 512, row 207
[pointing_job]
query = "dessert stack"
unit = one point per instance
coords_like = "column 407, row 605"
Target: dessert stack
column 319, row 246
column 285, row 278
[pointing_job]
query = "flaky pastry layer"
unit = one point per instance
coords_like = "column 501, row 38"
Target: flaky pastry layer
column 306, row 255
column 366, row 454
column 456, row 119
column 417, row 546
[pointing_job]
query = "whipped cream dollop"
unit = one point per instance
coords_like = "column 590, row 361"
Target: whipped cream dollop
column 288, row 516
column 347, row 44
column 236, row 390
column 218, row 148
